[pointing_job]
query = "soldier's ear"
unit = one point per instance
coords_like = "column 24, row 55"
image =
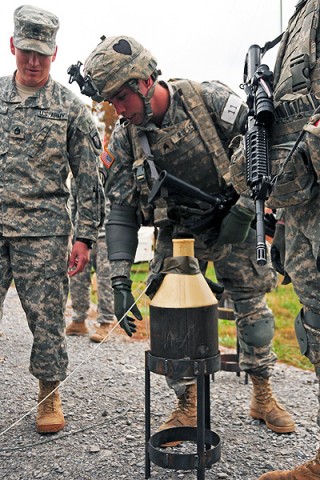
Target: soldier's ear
column 54, row 55
column 12, row 47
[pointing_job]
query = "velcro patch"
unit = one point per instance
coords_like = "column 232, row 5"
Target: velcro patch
column 107, row 158
column 231, row 109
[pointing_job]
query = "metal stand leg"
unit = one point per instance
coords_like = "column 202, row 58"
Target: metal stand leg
column 208, row 446
column 201, row 421
column 147, row 417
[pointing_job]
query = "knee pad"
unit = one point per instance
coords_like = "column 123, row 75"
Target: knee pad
column 257, row 335
column 305, row 318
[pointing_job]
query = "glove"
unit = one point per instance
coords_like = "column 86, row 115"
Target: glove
column 154, row 283
column 123, row 301
column 215, row 288
column 235, row 226
column 278, row 252
column 270, row 224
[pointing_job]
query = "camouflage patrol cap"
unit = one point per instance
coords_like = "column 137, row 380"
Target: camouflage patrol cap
column 115, row 61
column 35, row 29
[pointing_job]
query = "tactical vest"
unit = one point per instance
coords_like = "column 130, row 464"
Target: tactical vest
column 297, row 74
column 190, row 150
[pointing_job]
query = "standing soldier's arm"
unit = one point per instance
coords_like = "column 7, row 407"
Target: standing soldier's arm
column 123, row 224
column 84, row 146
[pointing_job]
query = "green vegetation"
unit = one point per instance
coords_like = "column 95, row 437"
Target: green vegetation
column 283, row 301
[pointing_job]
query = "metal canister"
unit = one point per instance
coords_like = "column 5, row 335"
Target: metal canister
column 184, row 311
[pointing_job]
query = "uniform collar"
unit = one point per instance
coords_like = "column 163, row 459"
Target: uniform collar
column 41, row 99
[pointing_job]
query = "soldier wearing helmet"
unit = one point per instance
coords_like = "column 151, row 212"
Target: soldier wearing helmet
column 184, row 128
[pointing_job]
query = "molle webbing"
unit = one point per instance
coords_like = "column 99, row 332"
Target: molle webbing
column 296, row 61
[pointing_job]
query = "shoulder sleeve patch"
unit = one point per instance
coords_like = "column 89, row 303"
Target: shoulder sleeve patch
column 96, row 139
column 231, row 109
column 107, row 158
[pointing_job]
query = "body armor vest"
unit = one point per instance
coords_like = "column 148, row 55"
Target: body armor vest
column 190, row 150
column 297, row 73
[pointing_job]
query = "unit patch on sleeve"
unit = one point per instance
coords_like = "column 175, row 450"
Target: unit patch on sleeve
column 107, row 158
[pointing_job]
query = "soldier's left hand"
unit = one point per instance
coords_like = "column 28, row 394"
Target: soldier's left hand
column 79, row 258
column 235, row 226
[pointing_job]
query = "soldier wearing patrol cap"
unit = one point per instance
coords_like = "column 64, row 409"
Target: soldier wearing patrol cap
column 185, row 128
column 45, row 132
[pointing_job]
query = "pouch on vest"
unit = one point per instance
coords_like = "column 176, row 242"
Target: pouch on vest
column 293, row 179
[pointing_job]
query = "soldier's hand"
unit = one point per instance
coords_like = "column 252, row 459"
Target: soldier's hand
column 215, row 288
column 235, row 226
column 154, row 283
column 123, row 302
column 79, row 258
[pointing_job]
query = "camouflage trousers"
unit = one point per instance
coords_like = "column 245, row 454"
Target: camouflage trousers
column 38, row 266
column 302, row 227
column 246, row 284
column 80, row 286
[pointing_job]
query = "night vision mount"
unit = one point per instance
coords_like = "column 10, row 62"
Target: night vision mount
column 86, row 84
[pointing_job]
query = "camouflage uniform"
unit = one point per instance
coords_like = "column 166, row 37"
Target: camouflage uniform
column 80, row 285
column 41, row 139
column 302, row 225
column 235, row 265
column 296, row 94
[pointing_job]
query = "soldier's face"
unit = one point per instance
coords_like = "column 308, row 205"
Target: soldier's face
column 129, row 105
column 33, row 68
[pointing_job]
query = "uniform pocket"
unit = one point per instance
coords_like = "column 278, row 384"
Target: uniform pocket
column 293, row 179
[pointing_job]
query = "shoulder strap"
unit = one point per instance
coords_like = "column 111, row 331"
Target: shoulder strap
column 191, row 96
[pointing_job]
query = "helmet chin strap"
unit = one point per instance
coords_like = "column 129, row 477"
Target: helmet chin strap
column 148, row 113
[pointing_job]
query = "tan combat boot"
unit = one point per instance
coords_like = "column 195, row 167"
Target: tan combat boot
column 50, row 417
column 77, row 328
column 185, row 415
column 307, row 471
column 265, row 407
column 102, row 330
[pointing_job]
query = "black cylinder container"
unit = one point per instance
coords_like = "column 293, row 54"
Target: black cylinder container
column 184, row 311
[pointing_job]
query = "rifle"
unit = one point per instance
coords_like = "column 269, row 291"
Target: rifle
column 258, row 83
column 175, row 186
column 204, row 218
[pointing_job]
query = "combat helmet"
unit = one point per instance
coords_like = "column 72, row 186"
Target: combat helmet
column 121, row 60
column 117, row 60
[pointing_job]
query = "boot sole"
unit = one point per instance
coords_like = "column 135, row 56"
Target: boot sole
column 95, row 340
column 274, row 428
column 171, row 444
column 75, row 334
column 50, row 428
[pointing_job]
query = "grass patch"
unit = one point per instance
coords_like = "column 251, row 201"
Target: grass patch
column 283, row 302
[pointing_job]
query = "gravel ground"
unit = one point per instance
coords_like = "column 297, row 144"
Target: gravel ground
column 103, row 401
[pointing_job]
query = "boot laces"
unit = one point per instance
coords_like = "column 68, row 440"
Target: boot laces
column 263, row 392
column 48, row 405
